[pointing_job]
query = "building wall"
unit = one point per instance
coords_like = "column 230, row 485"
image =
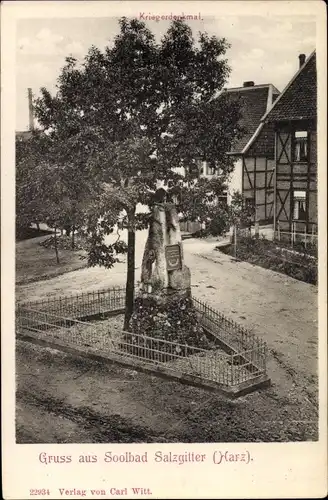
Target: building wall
column 258, row 179
column 293, row 176
column 236, row 179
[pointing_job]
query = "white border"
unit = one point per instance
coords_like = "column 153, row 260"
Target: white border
column 281, row 470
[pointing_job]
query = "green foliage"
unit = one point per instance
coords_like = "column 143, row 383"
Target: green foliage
column 219, row 221
column 216, row 216
column 64, row 242
column 201, row 203
column 310, row 249
column 100, row 254
column 240, row 213
column 134, row 113
column 269, row 254
column 130, row 116
column 47, row 189
column 29, row 184
column 175, row 321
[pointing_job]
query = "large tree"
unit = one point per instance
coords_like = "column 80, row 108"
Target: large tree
column 48, row 189
column 28, row 192
column 140, row 112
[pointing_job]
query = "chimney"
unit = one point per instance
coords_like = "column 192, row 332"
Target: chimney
column 302, row 58
column 248, row 84
column 30, row 110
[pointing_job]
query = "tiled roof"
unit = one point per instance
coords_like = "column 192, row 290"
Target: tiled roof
column 254, row 104
column 263, row 143
column 299, row 99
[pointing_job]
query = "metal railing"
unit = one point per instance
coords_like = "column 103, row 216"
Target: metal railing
column 97, row 303
column 298, row 234
column 190, row 226
column 213, row 364
column 236, row 338
column 82, row 305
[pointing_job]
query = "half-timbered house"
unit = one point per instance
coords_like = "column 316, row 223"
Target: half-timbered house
column 293, row 117
column 254, row 160
column 252, row 175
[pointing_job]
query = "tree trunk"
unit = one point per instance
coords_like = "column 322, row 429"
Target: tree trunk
column 73, row 237
column 38, row 226
column 129, row 289
column 56, row 247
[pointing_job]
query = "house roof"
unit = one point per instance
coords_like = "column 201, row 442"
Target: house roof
column 255, row 101
column 298, row 101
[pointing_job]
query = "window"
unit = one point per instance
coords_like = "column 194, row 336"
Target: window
column 206, row 168
column 200, row 167
column 249, row 205
column 223, row 199
column 299, row 209
column 210, row 168
column 300, row 152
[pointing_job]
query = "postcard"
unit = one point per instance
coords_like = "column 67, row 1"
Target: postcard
column 163, row 196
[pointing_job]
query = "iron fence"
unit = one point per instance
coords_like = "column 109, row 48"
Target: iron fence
column 82, row 305
column 190, row 226
column 298, row 234
column 240, row 356
column 213, row 364
column 235, row 338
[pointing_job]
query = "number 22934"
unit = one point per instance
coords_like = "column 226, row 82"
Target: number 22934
column 40, row 492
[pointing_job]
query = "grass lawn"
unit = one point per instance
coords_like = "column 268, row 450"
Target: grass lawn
column 35, row 262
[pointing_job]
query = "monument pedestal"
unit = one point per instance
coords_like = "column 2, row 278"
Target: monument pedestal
column 168, row 316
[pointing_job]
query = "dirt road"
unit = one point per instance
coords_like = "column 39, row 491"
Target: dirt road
column 281, row 310
column 66, row 399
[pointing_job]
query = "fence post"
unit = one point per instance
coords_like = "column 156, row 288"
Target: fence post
column 278, row 230
column 235, row 241
column 256, row 224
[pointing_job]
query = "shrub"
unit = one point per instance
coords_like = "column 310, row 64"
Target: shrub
column 269, row 254
column 172, row 320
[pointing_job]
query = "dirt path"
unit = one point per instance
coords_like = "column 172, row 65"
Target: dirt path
column 281, row 310
column 65, row 399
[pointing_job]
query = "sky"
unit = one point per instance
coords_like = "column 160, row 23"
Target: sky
column 263, row 49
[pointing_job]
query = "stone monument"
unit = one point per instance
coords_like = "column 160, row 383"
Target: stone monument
column 163, row 308
column 164, row 272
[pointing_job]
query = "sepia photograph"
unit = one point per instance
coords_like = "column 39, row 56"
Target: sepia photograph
column 166, row 225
